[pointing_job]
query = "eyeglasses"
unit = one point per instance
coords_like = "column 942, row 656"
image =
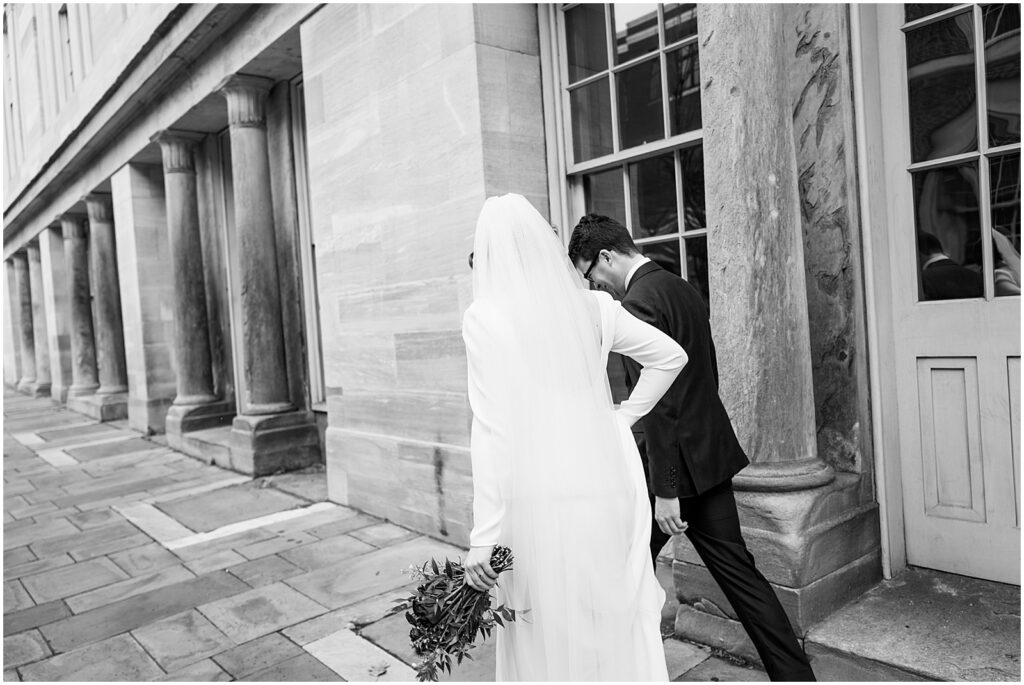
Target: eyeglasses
column 593, row 263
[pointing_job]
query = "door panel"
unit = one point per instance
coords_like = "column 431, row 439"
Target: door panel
column 957, row 336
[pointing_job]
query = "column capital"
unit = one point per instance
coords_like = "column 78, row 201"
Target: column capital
column 178, row 149
column 99, row 206
column 246, row 97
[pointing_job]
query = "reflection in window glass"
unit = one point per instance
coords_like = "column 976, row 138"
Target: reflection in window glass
column 591, row 120
column 665, row 255
column 1002, row 72
column 697, row 267
column 692, row 163
column 602, row 194
column 585, row 41
column 636, row 30
column 1005, row 183
column 943, row 115
column 652, row 195
column 917, row 10
column 680, row 22
column 948, row 232
column 639, row 93
column 683, row 75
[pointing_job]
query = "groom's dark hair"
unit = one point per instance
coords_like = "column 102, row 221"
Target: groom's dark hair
column 596, row 232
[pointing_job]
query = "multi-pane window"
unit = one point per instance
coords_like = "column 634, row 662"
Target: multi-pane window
column 631, row 95
column 963, row 77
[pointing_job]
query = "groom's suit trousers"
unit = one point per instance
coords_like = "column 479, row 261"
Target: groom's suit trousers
column 714, row 530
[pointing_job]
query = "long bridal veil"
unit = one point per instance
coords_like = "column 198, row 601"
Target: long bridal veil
column 569, row 491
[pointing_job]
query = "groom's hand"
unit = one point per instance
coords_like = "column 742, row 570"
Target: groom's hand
column 666, row 513
column 479, row 574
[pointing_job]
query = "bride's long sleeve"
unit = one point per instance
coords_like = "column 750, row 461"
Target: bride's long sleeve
column 660, row 356
column 487, row 444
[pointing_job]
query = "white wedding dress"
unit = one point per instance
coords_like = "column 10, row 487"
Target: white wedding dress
column 556, row 473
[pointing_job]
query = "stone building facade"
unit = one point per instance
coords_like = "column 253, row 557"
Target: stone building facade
column 246, row 226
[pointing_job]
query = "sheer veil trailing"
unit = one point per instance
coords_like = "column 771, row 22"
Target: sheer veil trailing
column 568, row 491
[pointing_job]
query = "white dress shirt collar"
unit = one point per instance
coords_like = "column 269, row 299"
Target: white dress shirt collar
column 629, row 274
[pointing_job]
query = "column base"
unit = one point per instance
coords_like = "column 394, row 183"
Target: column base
column 40, row 389
column 268, row 443
column 148, row 416
column 59, row 393
column 183, row 419
column 82, row 390
column 25, row 385
column 819, row 548
column 100, row 407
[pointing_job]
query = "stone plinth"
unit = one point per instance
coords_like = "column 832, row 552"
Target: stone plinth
column 261, row 445
column 23, row 298
column 147, row 293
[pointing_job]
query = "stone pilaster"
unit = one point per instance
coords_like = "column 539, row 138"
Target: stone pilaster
column 12, row 334
column 58, row 311
column 39, row 330
column 23, row 291
column 84, row 378
column 195, row 405
column 268, row 420
column 804, row 525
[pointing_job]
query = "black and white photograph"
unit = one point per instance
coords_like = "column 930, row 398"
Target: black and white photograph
column 478, row 342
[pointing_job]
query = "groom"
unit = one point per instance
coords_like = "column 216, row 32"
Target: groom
column 690, row 449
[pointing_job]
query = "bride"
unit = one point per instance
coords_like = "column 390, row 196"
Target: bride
column 556, row 473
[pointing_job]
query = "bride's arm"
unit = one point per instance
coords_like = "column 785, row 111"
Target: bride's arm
column 486, row 443
column 660, row 356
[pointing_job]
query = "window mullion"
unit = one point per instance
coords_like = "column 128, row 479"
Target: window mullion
column 984, row 193
column 627, row 200
column 663, row 59
column 612, row 89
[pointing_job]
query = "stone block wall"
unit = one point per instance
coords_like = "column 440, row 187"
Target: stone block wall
column 147, row 292
column 414, row 119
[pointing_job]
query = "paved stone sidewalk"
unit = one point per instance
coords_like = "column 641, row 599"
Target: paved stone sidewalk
column 125, row 560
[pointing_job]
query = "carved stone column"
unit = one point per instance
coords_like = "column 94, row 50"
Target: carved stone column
column 23, row 291
column 84, row 378
column 195, row 405
column 107, row 294
column 803, row 524
column 269, row 420
column 39, row 329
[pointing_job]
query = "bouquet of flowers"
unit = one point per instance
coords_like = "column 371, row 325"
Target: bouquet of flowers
column 446, row 614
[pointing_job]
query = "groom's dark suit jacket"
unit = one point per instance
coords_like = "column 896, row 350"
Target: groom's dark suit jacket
column 690, row 443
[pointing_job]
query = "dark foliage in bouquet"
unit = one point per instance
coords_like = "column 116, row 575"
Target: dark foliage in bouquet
column 446, row 614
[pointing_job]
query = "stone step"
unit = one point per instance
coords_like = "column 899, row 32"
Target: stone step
column 211, row 445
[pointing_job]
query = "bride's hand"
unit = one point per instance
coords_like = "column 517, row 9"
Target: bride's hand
column 479, row 574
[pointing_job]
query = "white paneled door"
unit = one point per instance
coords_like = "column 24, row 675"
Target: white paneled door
column 951, row 108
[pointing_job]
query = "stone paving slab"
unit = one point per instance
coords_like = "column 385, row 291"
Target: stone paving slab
column 113, row 449
column 15, row 597
column 264, row 571
column 140, row 610
column 275, row 545
column 257, row 655
column 38, row 615
column 329, row 552
column 369, row 574
column 82, row 540
column 303, row 668
column 182, row 640
column 75, row 432
column 246, row 616
column 216, row 561
column 25, row 648
column 720, row 670
column 205, row 671
column 352, row 616
column 383, row 534
column 357, row 659
column 144, row 559
column 38, row 566
column 117, row 658
column 72, row 580
column 24, row 535
column 212, row 510
column 115, row 592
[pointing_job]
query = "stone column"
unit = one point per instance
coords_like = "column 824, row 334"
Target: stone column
column 12, row 330
column 802, row 522
column 39, row 329
column 195, row 404
column 84, row 379
column 107, row 294
column 58, row 313
column 24, row 303
column 270, row 434
column 266, row 382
